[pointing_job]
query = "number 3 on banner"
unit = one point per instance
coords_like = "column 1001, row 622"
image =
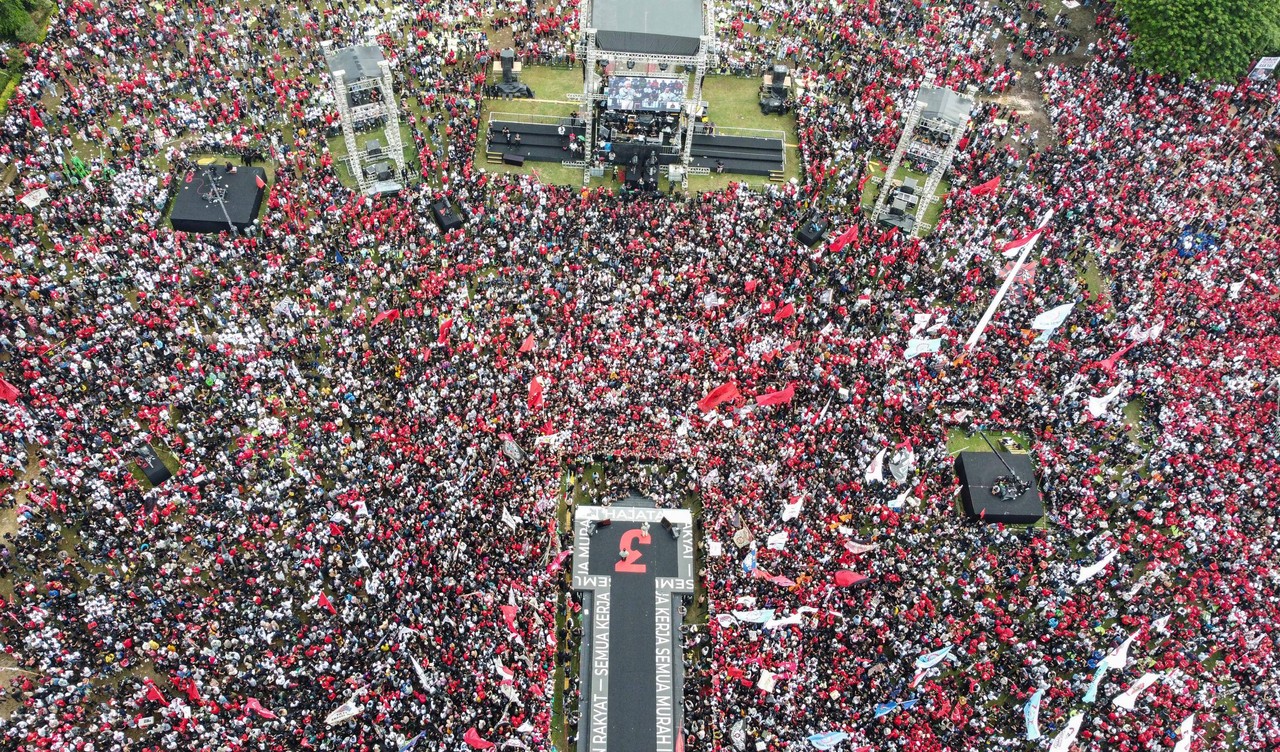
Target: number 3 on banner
column 630, row 540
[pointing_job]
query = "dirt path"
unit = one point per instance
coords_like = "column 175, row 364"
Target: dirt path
column 1027, row 96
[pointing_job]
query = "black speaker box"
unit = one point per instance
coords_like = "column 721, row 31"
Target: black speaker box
column 446, row 218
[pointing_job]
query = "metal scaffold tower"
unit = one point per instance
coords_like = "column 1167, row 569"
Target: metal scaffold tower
column 931, row 134
column 364, row 92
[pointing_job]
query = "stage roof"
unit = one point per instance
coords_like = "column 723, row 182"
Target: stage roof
column 945, row 104
column 660, row 27
column 357, row 63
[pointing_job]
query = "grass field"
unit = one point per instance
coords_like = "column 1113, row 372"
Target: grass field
column 960, row 440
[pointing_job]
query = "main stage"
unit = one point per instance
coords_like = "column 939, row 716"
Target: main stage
column 632, row 669
column 213, row 199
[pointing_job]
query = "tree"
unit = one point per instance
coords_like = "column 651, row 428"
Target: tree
column 13, row 18
column 1217, row 39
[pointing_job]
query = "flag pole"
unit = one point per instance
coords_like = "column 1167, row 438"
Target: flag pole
column 1008, row 282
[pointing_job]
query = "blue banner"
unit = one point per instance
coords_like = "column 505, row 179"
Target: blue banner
column 828, row 740
column 1032, row 713
column 885, row 708
column 929, row 660
column 1092, row 693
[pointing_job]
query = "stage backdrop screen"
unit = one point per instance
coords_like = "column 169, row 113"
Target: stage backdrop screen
column 645, row 94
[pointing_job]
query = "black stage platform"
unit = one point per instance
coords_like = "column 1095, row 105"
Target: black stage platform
column 632, row 666
column 539, row 142
column 978, row 471
column 741, row 155
column 542, row 142
column 196, row 208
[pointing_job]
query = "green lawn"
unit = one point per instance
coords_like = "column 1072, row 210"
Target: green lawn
column 734, row 102
column 872, row 189
column 960, row 440
column 1134, row 415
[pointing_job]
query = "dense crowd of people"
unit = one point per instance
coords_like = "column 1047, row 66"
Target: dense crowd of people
column 349, row 529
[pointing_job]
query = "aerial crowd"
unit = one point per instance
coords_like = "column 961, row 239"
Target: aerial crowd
column 372, row 423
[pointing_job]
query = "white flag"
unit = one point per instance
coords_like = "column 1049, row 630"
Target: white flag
column 929, row 660
column 1119, row 658
column 344, row 712
column 1092, row 569
column 792, row 511
column 1186, row 731
column 902, row 463
column 422, row 675
column 1161, row 623
column 1140, row 335
column 1098, row 405
column 767, row 680
column 1065, row 738
column 795, row 618
column 509, row 520
column 1052, row 318
column 778, row 541
column 35, row 198
column 876, row 470
column 1130, row 695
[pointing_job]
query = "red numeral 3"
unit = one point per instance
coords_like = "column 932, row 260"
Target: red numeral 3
column 630, row 540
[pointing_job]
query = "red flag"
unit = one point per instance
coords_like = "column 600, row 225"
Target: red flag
column 390, row 315
column 261, row 183
column 848, row 236
column 555, row 563
column 153, row 693
column 474, row 741
column 335, row 529
column 846, row 578
column 1014, row 247
column 323, row 600
column 445, row 326
column 34, row 118
column 528, row 344
column 535, row 393
column 8, row 392
column 778, row 579
column 193, row 692
column 780, row 397
column 991, row 186
column 722, row 393
column 784, row 312
column 253, row 704
column 751, row 285
column 509, row 616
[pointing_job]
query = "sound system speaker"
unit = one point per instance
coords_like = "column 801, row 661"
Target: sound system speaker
column 513, row 159
column 812, row 230
column 446, row 218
